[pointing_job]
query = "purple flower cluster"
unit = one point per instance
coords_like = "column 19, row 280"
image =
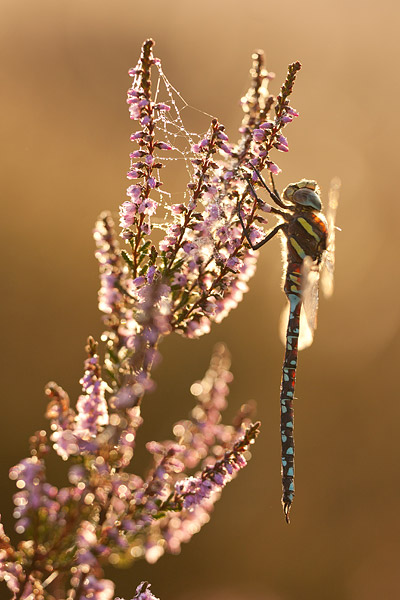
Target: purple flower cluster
column 111, row 269
column 189, row 279
column 92, row 410
column 267, row 134
column 201, row 440
column 135, row 213
column 75, row 433
column 192, row 491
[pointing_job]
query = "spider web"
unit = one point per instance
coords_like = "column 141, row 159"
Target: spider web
column 173, row 131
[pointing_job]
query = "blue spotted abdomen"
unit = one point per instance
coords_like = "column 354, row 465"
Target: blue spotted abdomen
column 292, row 290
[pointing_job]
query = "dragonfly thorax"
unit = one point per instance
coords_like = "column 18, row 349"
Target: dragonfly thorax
column 304, row 193
column 306, row 235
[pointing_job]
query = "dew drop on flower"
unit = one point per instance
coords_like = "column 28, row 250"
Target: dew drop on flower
column 196, row 389
column 178, row 430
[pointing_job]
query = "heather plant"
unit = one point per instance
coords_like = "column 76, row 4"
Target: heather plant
column 182, row 268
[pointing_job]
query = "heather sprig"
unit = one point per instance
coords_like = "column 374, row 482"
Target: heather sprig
column 192, row 491
column 182, row 281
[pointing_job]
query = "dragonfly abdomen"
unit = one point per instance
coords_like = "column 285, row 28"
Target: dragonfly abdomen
column 293, row 293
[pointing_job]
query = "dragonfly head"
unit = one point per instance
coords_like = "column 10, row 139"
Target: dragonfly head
column 304, row 193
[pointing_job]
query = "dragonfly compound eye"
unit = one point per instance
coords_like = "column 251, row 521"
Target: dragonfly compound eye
column 307, row 197
column 304, row 192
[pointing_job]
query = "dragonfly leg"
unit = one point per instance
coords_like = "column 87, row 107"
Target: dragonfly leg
column 269, row 236
column 243, row 224
column 274, row 192
column 266, row 239
column 274, row 188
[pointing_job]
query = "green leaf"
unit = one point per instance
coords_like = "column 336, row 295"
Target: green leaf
column 127, row 258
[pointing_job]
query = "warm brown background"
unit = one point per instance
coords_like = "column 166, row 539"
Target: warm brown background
column 64, row 153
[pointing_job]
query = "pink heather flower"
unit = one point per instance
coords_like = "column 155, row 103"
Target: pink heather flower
column 255, row 234
column 233, row 263
column 264, row 206
column 179, row 279
column 128, row 208
column 166, row 244
column 145, row 121
column 188, row 247
column 273, row 168
column 137, row 154
column 149, row 160
column 126, row 234
column 254, row 163
column 225, row 148
column 137, row 136
column 134, row 191
column 132, row 174
column 292, row 111
column 151, row 273
column 177, row 209
column 134, row 111
column 152, row 183
column 163, row 146
column 266, row 125
column 259, row 135
column 282, row 144
column 139, row 281
column 126, row 397
column 286, row 119
column 145, row 228
column 282, row 140
column 162, row 106
column 148, row 207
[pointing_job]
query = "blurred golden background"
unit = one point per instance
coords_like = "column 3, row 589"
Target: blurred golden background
column 65, row 145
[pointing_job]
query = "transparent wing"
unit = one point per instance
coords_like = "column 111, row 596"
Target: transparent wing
column 308, row 316
column 328, row 260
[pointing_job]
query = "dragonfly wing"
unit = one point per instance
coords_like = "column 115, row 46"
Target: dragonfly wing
column 306, row 335
column 283, row 323
column 328, row 261
column 308, row 315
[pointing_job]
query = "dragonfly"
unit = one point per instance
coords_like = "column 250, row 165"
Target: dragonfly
column 309, row 243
